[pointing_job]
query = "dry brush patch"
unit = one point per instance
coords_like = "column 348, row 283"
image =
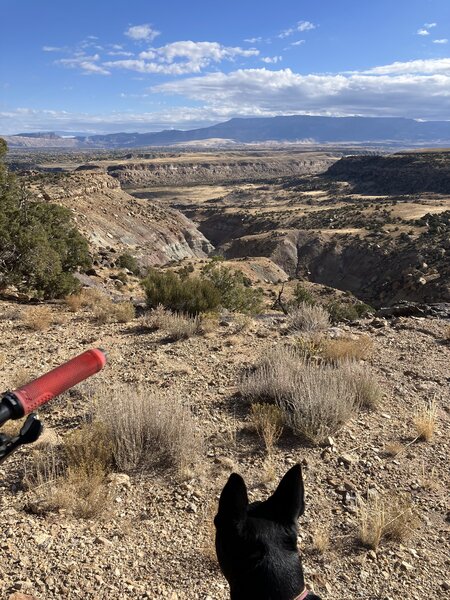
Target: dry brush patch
column 37, row 318
column 108, row 311
column 367, row 390
column 148, row 428
column 346, row 348
column 102, row 307
column 386, row 517
column 87, row 298
column 72, row 476
column 320, row 541
column 425, row 418
column 447, row 334
column 315, row 399
column 307, row 317
column 267, row 419
column 177, row 326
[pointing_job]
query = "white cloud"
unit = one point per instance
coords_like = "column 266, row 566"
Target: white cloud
column 86, row 63
column 119, row 53
column 52, row 49
column 143, row 32
column 394, row 92
column 272, row 59
column 442, row 41
column 424, row 30
column 305, row 26
column 430, row 66
column 301, row 26
column 26, row 119
column 298, row 43
column 253, row 40
column 181, row 57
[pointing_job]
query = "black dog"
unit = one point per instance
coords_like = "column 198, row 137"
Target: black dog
column 256, row 543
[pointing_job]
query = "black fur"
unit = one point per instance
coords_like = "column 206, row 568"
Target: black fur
column 256, row 543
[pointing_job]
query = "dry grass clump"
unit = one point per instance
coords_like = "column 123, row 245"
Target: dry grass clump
column 345, row 349
column 37, row 318
column 87, row 298
column 123, row 312
column 273, row 375
column 424, row 420
column 320, row 402
column 367, row 390
column 72, row 477
column 316, row 399
column 393, row 448
column 108, row 311
column 74, row 302
column 178, row 326
column 447, row 334
column 268, row 471
column 320, row 539
column 267, row 419
column 148, row 428
column 389, row 517
column 241, row 323
column 307, row 317
column 309, row 347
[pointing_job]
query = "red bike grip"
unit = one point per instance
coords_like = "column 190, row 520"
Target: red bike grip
column 36, row 393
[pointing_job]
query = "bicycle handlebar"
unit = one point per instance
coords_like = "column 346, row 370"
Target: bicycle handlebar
column 26, row 399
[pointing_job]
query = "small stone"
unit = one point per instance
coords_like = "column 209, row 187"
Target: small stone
column 406, row 566
column 346, row 459
column 102, row 540
column 42, row 540
column 120, row 479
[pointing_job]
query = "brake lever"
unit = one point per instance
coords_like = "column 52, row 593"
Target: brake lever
column 29, row 433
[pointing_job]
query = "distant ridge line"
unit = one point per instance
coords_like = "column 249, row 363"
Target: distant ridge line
column 294, row 128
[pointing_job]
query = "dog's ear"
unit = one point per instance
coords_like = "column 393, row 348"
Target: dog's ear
column 233, row 499
column 287, row 501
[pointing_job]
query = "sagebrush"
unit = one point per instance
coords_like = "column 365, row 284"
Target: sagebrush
column 308, row 317
column 316, row 399
column 148, row 428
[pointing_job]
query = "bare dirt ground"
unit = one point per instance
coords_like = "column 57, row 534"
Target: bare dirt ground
column 155, row 540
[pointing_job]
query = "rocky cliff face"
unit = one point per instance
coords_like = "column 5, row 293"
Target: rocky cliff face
column 379, row 274
column 402, row 173
column 109, row 217
column 211, row 170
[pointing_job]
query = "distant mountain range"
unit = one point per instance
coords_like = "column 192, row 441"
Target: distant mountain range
column 389, row 130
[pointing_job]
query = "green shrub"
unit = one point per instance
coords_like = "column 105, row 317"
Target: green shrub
column 340, row 311
column 185, row 271
column 40, row 247
column 122, row 277
column 234, row 288
column 191, row 295
column 301, row 295
column 127, row 261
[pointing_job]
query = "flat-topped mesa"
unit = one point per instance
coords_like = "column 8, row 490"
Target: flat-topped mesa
column 108, row 216
column 211, row 169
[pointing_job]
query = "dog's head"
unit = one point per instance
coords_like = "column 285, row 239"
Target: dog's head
column 256, row 543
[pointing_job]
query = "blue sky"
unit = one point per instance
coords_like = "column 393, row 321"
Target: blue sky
column 134, row 65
